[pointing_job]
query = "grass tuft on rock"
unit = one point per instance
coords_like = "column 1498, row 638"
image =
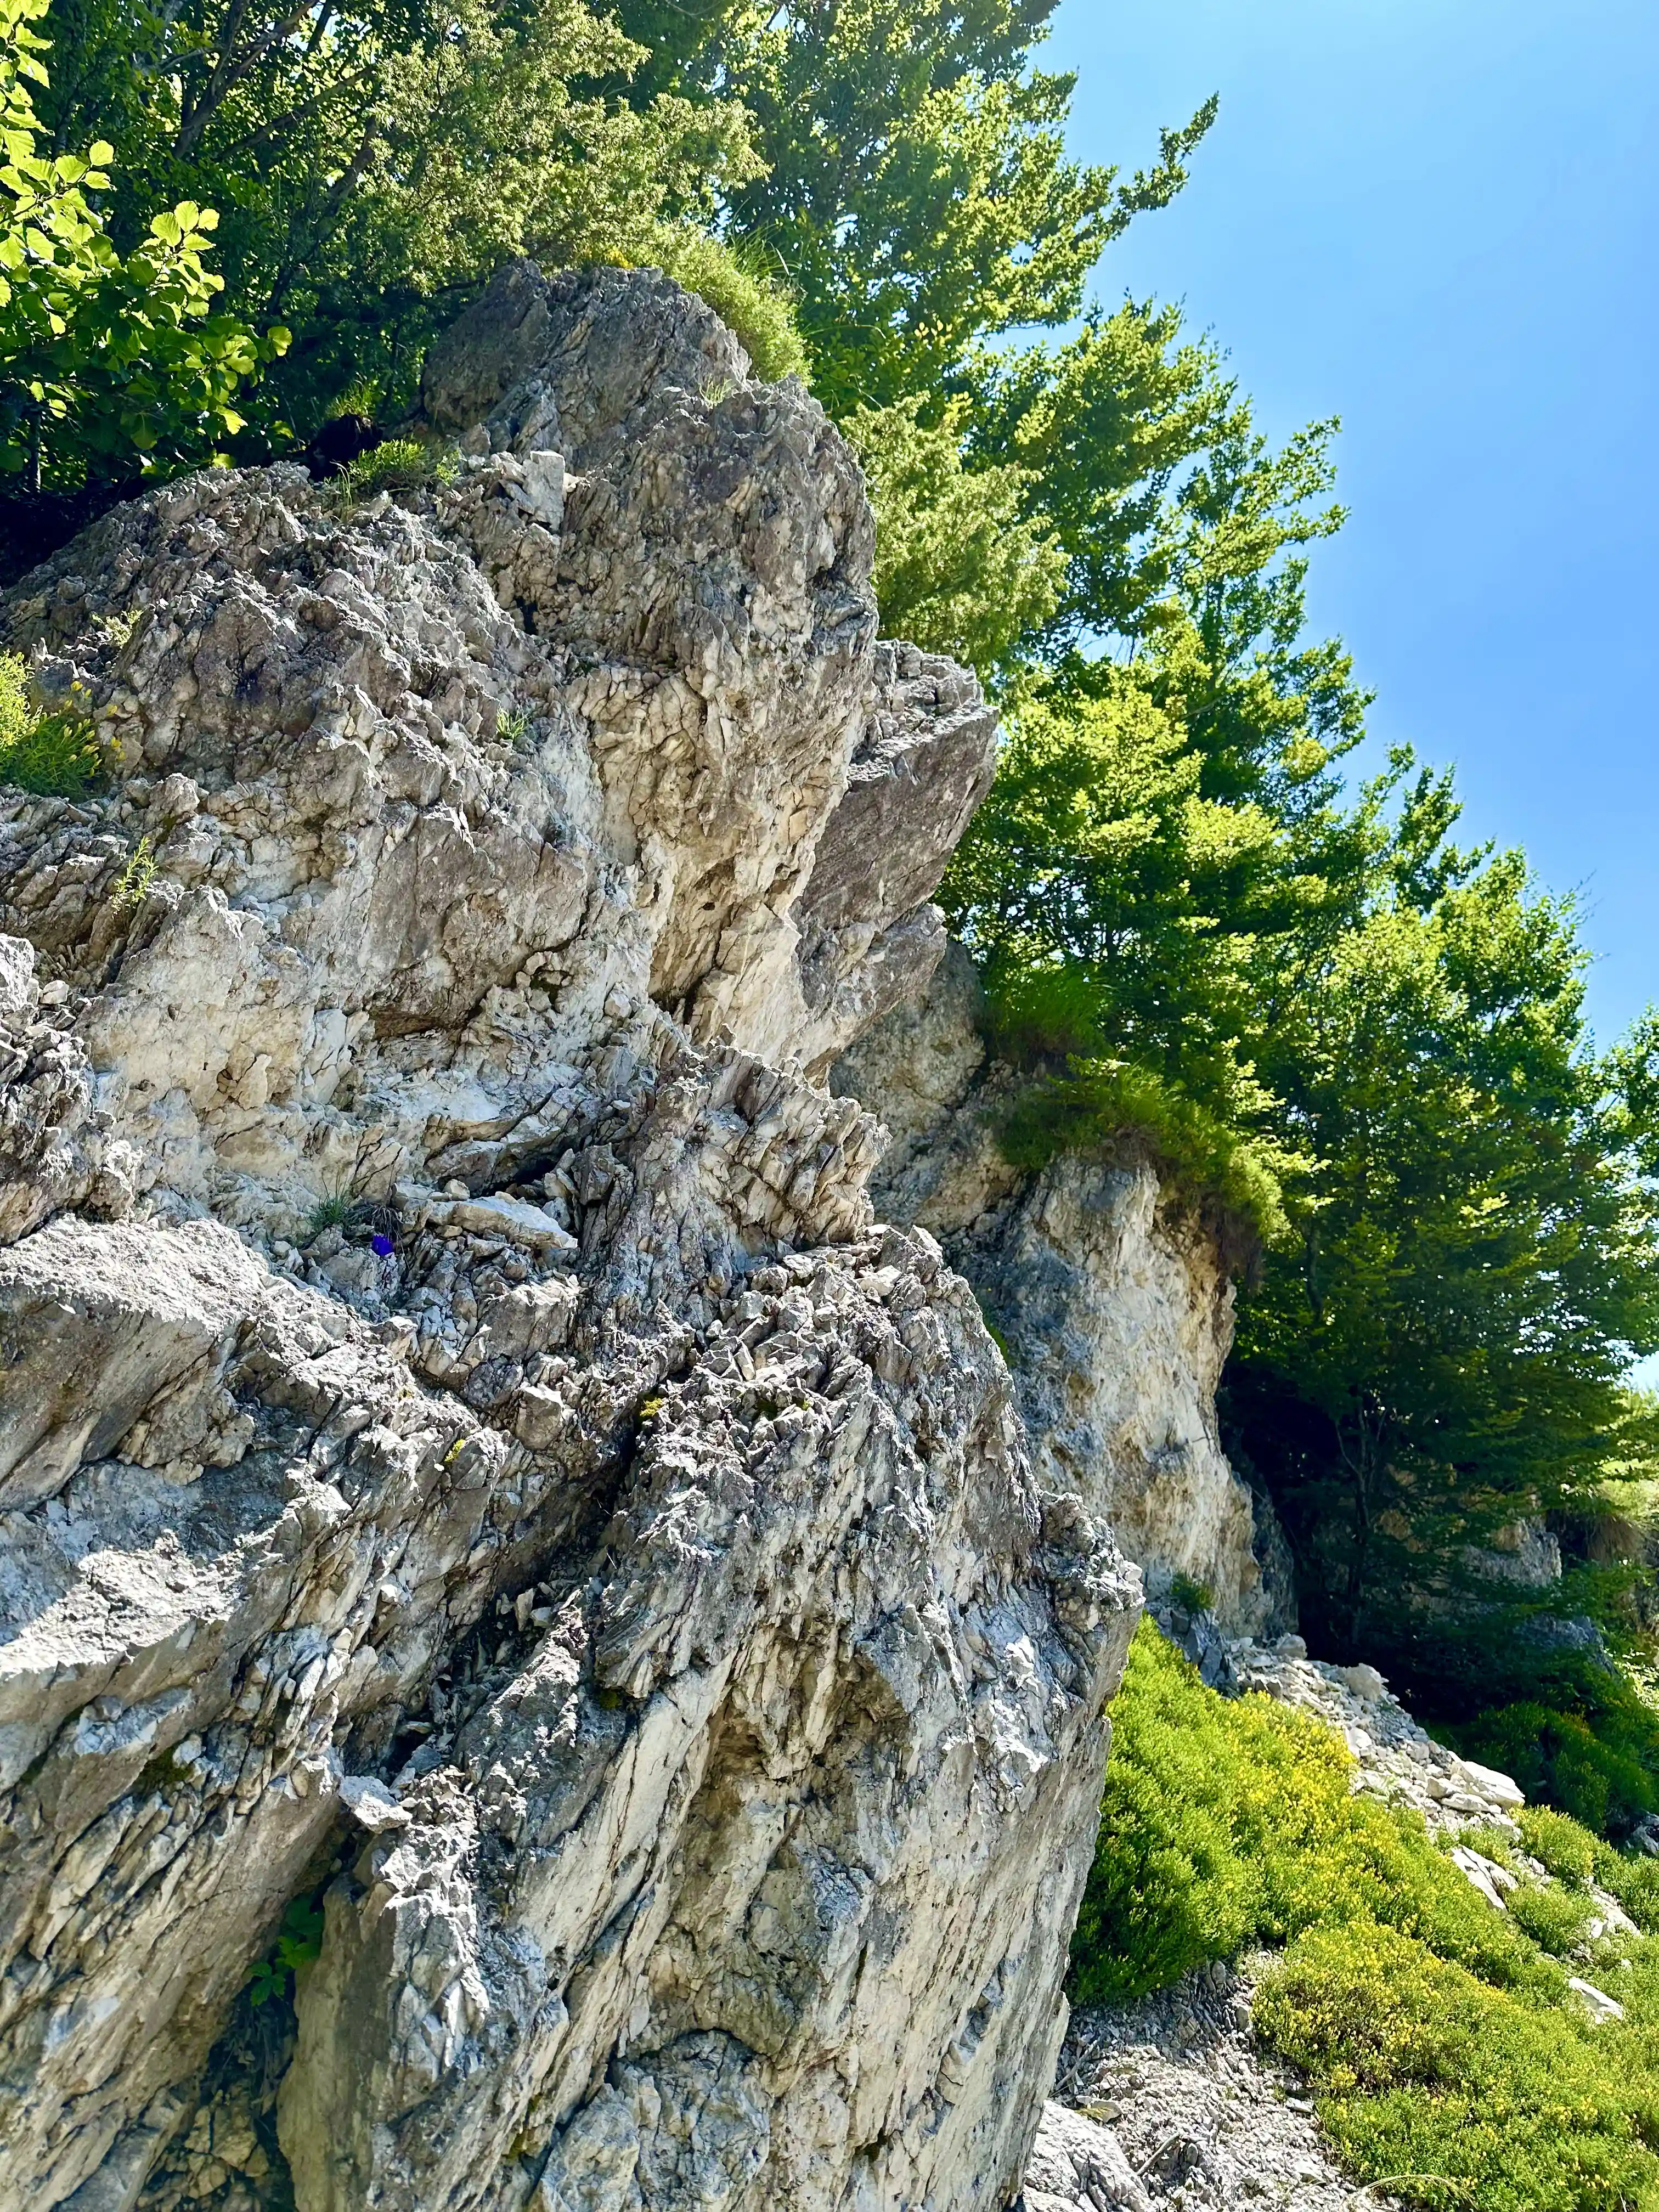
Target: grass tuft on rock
column 743, row 290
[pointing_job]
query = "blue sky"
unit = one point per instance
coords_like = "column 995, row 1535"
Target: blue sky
column 1439, row 219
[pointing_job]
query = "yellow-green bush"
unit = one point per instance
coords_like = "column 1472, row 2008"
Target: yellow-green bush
column 1569, row 1851
column 1600, row 1763
column 1107, row 1102
column 1447, row 2055
column 1577, row 1857
column 1554, row 1918
column 736, row 284
column 1423, row 2070
column 395, row 464
column 1226, row 1823
column 53, row 755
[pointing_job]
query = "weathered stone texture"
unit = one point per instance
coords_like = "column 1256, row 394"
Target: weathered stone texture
column 1114, row 1306
column 466, row 1449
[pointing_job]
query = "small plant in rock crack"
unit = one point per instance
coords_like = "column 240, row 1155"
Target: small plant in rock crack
column 993, row 1331
column 298, row 1943
column 515, row 728
column 331, row 1213
column 356, row 1217
column 395, row 464
column 347, row 1205
column 132, row 884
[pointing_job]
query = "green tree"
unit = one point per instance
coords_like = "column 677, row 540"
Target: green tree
column 961, row 566
column 1475, row 1263
column 109, row 365
column 916, row 201
column 1167, row 830
column 915, row 189
column 372, row 166
column 1092, row 887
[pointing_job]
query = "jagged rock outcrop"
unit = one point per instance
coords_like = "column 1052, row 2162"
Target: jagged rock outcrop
column 467, row 1451
column 1115, row 1309
column 53, row 1148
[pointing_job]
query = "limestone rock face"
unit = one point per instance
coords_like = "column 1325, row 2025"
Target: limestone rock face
column 1077, row 2165
column 1115, row 1311
column 490, row 1526
column 53, row 1148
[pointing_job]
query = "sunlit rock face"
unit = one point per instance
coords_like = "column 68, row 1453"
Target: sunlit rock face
column 472, row 1461
column 1113, row 1305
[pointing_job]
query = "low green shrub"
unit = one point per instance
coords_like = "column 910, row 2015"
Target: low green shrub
column 1635, row 1883
column 1555, row 1918
column 1230, row 1822
column 52, row 755
column 395, row 464
column 334, row 1212
column 1577, row 1857
column 1045, row 1018
column 1423, row 2070
column 132, row 884
column 299, row 1943
column 1449, row 2058
column 1102, row 1103
column 1569, row 1851
column 1599, row 1763
column 1192, row 1597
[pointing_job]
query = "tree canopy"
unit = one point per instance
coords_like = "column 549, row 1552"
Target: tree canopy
column 370, row 165
column 109, row 363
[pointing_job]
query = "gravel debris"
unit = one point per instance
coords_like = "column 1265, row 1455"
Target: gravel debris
column 1205, row 2119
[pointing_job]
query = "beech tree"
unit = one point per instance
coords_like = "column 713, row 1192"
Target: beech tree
column 1441, row 1352
column 371, row 166
column 110, row 365
column 914, row 187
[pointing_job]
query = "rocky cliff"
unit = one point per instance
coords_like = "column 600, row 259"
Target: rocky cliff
column 542, row 1665
column 1113, row 1308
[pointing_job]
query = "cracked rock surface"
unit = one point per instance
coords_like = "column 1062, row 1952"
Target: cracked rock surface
column 1115, row 1308
column 473, row 1468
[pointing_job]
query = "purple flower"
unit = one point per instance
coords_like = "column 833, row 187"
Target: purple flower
column 383, row 1245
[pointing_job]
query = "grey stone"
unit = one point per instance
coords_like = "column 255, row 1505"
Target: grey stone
column 1115, row 1308
column 1077, row 2165
column 468, row 1446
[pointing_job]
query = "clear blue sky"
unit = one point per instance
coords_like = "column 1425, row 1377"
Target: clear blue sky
column 1439, row 219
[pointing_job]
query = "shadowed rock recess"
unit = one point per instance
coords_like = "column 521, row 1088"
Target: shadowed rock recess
column 470, row 1460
